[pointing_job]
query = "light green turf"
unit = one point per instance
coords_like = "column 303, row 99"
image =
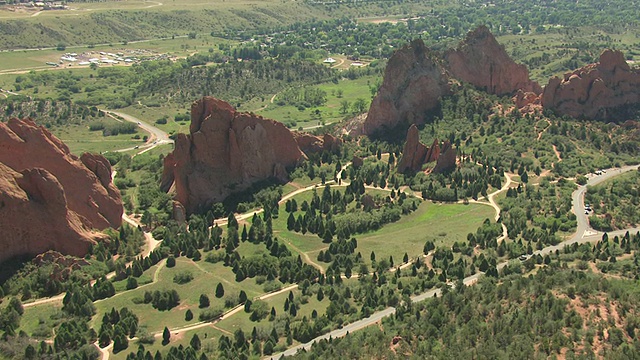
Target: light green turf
column 80, row 139
column 330, row 112
column 443, row 223
column 40, row 317
column 206, row 277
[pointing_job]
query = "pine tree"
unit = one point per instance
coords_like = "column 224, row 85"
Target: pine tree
column 166, row 336
column 195, row 342
column 219, row 291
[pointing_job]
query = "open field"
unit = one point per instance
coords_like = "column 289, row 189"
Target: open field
column 39, row 320
column 206, row 276
column 208, row 337
column 109, row 22
column 241, row 319
column 80, row 139
column 330, row 111
column 182, row 46
column 442, row 223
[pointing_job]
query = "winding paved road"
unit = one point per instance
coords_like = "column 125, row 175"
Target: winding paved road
column 584, row 234
column 156, row 136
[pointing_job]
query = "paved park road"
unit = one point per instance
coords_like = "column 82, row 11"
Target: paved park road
column 584, row 234
column 157, row 136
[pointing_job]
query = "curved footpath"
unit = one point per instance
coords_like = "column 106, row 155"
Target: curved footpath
column 584, row 234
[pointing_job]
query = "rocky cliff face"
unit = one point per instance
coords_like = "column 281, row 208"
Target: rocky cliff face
column 49, row 198
column 35, row 216
column 415, row 79
column 412, row 86
column 596, row 91
column 482, row 62
column 310, row 144
column 415, row 154
column 226, row 152
column 86, row 181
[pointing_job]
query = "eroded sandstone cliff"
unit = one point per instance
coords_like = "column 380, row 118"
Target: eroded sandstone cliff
column 24, row 145
column 413, row 84
column 50, row 199
column 226, row 152
column 481, row 61
column 601, row 91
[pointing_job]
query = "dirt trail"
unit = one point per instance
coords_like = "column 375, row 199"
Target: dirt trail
column 545, row 129
column 306, row 257
column 555, row 150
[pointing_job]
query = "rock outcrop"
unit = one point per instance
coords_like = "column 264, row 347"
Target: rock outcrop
column 63, row 266
column 50, row 199
column 226, row 152
column 527, row 102
column 35, row 217
column 415, row 154
column 413, row 84
column 597, row 91
column 311, row 144
column 481, row 61
column 24, row 145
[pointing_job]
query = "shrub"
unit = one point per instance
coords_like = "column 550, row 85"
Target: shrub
column 182, row 277
column 210, row 314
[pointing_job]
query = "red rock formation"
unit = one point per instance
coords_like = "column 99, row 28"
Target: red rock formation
column 446, row 159
column 63, row 265
column 413, row 84
column 310, row 144
column 481, row 61
column 226, row 152
column 527, row 102
column 596, row 91
column 35, row 217
column 24, row 145
column 415, row 154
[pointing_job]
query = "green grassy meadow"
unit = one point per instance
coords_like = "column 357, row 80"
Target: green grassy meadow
column 329, row 112
column 80, row 139
column 442, row 223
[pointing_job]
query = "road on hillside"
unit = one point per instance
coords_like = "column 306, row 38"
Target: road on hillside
column 156, row 136
column 583, row 228
column 584, row 234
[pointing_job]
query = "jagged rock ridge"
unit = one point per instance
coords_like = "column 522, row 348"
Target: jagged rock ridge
column 596, row 91
column 415, row 154
column 226, row 152
column 415, row 79
column 481, row 61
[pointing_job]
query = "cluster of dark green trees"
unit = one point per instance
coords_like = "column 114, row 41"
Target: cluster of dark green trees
column 616, row 203
column 511, row 317
column 118, row 326
column 47, row 112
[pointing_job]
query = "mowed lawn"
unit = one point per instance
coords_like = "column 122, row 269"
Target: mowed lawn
column 242, row 319
column 206, row 277
column 442, row 223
